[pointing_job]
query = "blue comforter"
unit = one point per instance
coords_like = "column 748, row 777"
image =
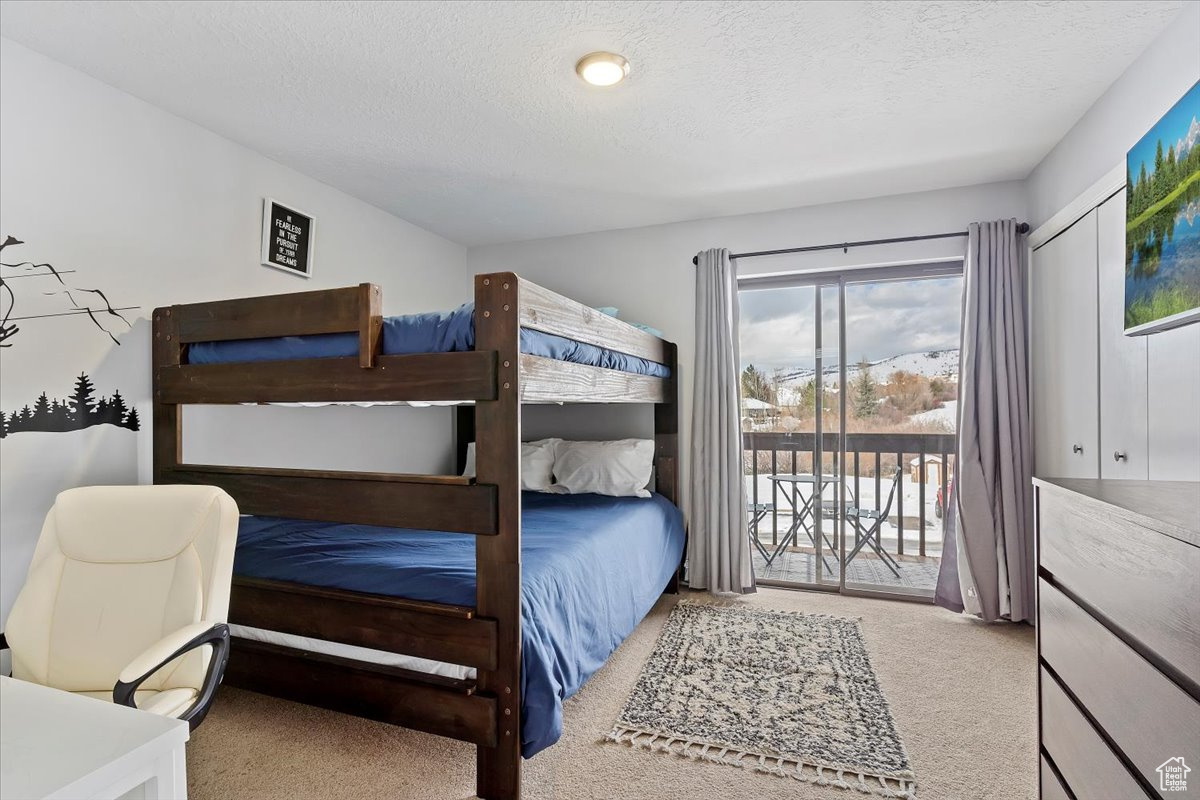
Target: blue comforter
column 434, row 332
column 592, row 568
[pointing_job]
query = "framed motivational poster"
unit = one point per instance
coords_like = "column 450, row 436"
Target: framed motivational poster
column 287, row 239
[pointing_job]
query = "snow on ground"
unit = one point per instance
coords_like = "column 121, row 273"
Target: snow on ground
column 946, row 415
column 866, row 499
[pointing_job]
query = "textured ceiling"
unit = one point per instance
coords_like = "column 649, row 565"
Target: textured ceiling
column 466, row 118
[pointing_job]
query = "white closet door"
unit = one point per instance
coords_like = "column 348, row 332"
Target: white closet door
column 1174, row 397
column 1064, row 354
column 1123, row 440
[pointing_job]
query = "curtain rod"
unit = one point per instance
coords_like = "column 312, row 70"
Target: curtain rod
column 1022, row 227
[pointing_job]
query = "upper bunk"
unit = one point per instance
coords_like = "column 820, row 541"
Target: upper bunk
column 249, row 351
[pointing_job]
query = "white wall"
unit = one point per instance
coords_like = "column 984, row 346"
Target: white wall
column 1093, row 147
column 154, row 210
column 648, row 274
column 1122, row 115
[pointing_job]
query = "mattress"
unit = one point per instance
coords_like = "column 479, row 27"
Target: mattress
column 418, row 333
column 592, row 568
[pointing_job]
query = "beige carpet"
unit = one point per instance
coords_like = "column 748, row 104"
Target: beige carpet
column 962, row 693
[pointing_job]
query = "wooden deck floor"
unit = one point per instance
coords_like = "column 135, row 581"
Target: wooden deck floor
column 800, row 566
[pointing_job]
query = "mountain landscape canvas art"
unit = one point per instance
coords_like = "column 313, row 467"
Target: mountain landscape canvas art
column 1162, row 229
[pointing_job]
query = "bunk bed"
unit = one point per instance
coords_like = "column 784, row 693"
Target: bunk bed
column 335, row 346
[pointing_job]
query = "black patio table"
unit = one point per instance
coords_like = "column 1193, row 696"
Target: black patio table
column 803, row 511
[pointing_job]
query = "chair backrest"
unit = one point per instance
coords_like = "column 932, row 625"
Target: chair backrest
column 117, row 568
column 887, row 509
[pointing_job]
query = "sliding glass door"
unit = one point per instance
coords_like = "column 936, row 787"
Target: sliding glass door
column 849, row 386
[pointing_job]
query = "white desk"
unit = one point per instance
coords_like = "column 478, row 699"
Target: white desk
column 56, row 745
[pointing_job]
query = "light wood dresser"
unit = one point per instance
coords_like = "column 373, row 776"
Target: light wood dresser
column 1118, row 638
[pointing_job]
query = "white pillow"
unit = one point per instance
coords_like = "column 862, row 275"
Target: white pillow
column 537, row 464
column 620, row 468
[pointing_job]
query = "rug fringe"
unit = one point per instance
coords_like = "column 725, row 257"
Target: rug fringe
column 890, row 786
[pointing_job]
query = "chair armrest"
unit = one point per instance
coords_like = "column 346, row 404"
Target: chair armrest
column 166, row 650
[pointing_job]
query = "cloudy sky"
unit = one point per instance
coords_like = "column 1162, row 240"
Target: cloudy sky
column 882, row 320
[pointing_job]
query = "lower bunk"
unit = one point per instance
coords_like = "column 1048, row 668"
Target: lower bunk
column 592, row 568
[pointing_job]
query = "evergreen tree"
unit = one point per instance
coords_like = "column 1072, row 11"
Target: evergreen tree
column 131, row 421
column 60, row 417
column 755, row 384
column 1158, row 184
column 20, row 420
column 83, row 405
column 41, row 413
column 1142, row 190
column 117, row 409
column 102, row 414
column 865, row 395
column 808, row 398
column 3, row 425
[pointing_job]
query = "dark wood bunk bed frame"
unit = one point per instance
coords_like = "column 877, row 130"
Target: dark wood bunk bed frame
column 498, row 378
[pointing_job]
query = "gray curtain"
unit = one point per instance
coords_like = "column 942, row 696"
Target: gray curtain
column 719, row 545
column 994, row 499
column 949, row 593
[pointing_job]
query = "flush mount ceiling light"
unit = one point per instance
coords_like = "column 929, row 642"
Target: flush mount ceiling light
column 603, row 69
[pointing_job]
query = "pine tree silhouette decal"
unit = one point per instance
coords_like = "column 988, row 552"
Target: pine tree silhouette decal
column 82, row 404
column 81, row 410
column 116, row 410
column 20, row 420
column 41, row 408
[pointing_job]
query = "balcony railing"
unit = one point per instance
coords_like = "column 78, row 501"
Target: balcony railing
column 871, row 460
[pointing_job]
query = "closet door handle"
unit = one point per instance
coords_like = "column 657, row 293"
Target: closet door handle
column 1119, row 456
column 1077, row 448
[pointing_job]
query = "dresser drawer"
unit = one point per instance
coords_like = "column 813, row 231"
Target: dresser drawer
column 1145, row 582
column 1052, row 788
column 1087, row 764
column 1142, row 711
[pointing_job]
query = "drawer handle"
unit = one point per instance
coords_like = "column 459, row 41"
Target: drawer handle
column 1077, row 448
column 1119, row 456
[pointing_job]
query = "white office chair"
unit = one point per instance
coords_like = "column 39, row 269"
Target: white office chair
column 126, row 586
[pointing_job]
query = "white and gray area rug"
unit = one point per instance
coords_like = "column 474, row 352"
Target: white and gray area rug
column 774, row 691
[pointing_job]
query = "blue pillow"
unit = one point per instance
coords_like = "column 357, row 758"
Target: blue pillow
column 648, row 329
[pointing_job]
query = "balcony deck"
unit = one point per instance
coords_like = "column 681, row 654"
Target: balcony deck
column 911, row 534
column 799, row 565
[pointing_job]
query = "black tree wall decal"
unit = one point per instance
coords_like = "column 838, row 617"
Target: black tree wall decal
column 81, row 410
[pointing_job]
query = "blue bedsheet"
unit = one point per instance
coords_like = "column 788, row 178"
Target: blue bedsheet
column 418, row 333
column 592, row 568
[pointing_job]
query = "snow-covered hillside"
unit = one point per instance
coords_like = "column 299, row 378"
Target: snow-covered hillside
column 931, row 364
column 946, row 414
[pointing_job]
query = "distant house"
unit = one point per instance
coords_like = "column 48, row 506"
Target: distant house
column 758, row 411
column 932, row 472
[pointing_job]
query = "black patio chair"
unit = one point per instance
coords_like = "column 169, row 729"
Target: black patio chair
column 867, row 522
column 758, row 512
